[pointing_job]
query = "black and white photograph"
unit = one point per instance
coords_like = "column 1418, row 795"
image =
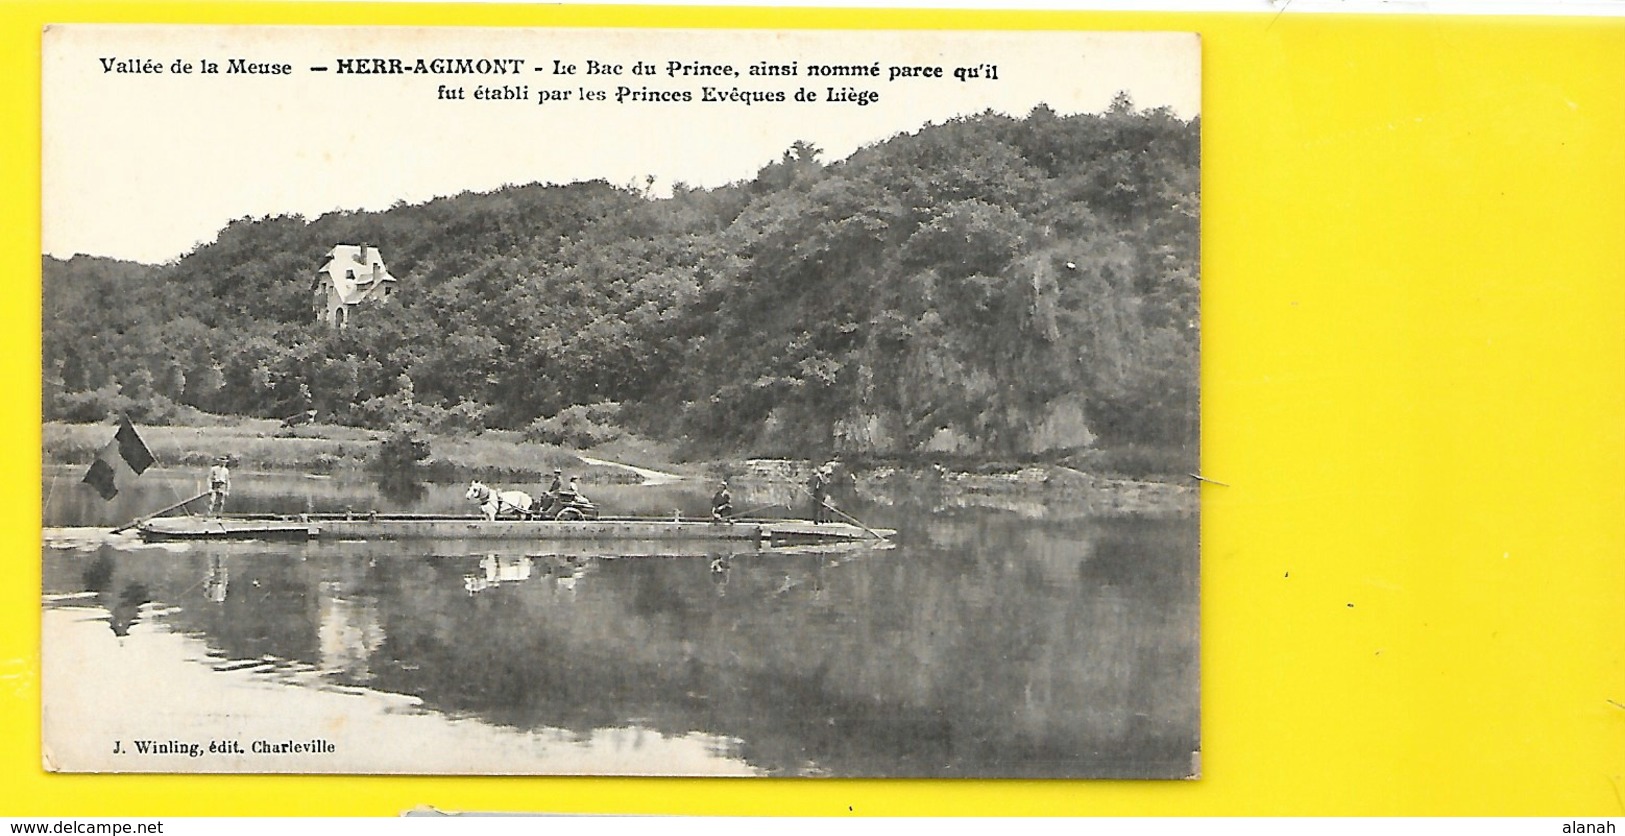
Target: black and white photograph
column 621, row 402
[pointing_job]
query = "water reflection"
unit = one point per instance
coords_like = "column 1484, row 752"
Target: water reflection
column 124, row 611
column 121, row 601
column 984, row 644
column 721, row 565
column 498, row 569
column 217, row 581
column 98, row 576
column 349, row 633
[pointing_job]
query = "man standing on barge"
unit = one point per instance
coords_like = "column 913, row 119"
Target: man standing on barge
column 818, row 488
column 219, row 485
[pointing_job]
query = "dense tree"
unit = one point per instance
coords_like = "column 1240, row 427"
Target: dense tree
column 991, row 286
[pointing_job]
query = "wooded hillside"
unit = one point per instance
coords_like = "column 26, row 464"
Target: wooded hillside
column 989, row 287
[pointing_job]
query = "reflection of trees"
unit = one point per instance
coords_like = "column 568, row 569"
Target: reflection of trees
column 348, row 631
column 1023, row 660
column 99, row 574
column 271, row 610
column 992, row 647
column 272, row 613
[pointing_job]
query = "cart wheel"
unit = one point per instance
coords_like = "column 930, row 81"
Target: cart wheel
column 569, row 514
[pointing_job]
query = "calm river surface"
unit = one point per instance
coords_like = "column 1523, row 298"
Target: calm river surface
column 995, row 639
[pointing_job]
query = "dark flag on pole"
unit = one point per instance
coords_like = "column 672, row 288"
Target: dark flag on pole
column 126, row 447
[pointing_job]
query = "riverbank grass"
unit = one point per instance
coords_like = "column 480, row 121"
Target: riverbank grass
column 264, row 444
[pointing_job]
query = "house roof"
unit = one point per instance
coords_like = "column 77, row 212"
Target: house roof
column 352, row 271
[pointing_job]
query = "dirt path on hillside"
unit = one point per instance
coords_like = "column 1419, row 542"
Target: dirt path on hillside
column 650, row 477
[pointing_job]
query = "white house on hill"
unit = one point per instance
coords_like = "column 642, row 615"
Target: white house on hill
column 350, row 276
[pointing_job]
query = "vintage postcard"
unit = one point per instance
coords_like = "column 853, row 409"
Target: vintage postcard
column 620, row 402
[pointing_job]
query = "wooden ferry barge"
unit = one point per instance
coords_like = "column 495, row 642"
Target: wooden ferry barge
column 477, row 527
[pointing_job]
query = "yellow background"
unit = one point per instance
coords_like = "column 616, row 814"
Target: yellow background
column 1414, row 387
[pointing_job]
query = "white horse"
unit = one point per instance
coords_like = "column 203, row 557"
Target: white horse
column 493, row 502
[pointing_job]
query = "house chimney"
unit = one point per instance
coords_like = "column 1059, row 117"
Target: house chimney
column 376, row 270
column 362, row 256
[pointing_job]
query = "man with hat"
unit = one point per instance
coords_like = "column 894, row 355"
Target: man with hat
column 572, row 494
column 219, row 484
column 722, row 503
column 818, row 488
column 552, row 493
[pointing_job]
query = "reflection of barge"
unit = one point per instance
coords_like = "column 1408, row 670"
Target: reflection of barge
column 474, row 527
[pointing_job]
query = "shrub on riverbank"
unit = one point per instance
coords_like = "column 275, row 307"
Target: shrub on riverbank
column 585, row 425
column 262, row 444
column 402, row 451
column 107, row 403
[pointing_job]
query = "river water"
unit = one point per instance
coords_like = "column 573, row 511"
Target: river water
column 997, row 638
